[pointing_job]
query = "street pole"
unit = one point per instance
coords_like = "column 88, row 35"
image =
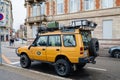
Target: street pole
column 0, row 49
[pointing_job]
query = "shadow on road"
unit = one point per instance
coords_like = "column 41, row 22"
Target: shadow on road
column 49, row 69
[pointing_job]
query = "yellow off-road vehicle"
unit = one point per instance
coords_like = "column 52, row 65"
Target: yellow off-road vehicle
column 68, row 48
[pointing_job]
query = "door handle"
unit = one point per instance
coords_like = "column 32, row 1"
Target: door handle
column 57, row 49
column 43, row 49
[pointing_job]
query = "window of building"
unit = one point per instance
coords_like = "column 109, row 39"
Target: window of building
column 60, row 6
column 107, row 3
column 34, row 10
column 42, row 11
column 107, row 29
column 42, row 41
column 34, row 31
column 54, row 40
column 69, row 41
column 74, row 5
column 89, row 4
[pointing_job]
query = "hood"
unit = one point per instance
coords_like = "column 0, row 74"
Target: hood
column 117, row 47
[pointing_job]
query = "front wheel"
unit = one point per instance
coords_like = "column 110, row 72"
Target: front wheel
column 116, row 53
column 25, row 62
column 62, row 67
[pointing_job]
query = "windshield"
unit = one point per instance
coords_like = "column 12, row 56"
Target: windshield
column 86, row 36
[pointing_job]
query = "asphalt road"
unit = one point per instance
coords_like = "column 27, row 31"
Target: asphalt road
column 106, row 68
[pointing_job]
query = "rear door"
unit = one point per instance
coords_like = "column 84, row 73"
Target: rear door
column 70, row 47
column 53, row 49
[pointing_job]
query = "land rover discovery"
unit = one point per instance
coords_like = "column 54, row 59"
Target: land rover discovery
column 69, row 49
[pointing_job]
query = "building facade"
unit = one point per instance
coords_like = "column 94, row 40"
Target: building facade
column 21, row 32
column 106, row 13
column 7, row 22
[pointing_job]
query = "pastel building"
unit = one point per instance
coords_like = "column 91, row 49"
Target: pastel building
column 106, row 13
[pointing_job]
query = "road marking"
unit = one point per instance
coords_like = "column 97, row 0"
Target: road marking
column 15, row 58
column 97, row 69
column 6, row 59
column 15, row 63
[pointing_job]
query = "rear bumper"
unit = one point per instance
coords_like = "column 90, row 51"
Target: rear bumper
column 87, row 60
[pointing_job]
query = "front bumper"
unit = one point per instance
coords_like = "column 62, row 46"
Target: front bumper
column 16, row 51
column 87, row 60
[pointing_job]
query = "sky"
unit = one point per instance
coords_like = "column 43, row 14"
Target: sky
column 19, row 13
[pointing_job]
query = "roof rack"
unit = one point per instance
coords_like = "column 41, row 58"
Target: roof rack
column 78, row 24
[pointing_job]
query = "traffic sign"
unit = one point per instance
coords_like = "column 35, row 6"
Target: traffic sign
column 1, row 17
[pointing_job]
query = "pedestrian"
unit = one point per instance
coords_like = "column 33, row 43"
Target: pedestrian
column 10, row 41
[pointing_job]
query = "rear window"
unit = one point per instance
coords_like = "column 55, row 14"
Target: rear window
column 69, row 40
column 86, row 36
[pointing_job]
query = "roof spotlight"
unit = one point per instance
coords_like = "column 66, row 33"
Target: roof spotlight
column 85, row 23
column 93, row 25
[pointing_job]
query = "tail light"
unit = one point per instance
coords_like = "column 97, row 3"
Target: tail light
column 81, row 48
column 81, row 52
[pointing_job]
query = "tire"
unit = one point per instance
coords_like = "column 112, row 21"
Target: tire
column 62, row 67
column 94, row 47
column 80, row 66
column 25, row 62
column 116, row 54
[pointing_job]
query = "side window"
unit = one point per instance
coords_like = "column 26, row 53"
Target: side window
column 42, row 41
column 54, row 41
column 69, row 40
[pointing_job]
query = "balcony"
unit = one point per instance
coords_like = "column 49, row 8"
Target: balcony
column 36, row 19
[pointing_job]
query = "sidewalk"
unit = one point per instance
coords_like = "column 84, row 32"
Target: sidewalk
column 16, row 44
column 14, row 73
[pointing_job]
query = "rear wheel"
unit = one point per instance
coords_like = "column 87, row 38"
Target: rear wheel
column 25, row 62
column 62, row 67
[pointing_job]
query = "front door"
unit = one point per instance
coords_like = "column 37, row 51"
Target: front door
column 39, row 50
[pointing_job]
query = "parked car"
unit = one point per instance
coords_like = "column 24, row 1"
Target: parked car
column 114, row 51
column 16, row 39
column 68, row 49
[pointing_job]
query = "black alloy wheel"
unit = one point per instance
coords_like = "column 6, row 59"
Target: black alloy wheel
column 25, row 62
column 62, row 67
